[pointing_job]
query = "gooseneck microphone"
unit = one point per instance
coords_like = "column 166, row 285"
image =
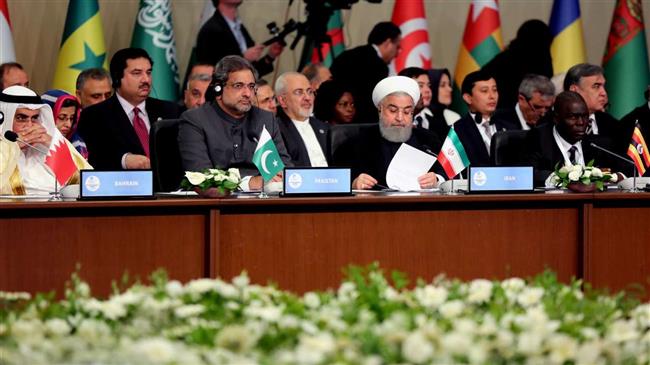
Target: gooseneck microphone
column 13, row 137
column 592, row 144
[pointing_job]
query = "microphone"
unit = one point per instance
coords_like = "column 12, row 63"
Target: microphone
column 13, row 137
column 592, row 144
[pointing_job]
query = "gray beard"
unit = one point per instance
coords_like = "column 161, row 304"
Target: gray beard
column 395, row 134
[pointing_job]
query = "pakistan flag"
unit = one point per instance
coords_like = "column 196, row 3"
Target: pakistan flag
column 266, row 156
column 154, row 32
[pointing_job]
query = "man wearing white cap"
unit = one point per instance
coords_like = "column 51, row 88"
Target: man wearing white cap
column 23, row 170
column 370, row 153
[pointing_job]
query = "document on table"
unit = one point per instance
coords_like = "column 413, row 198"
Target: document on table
column 407, row 165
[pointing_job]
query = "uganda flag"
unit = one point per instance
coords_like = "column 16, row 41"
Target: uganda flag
column 82, row 44
column 481, row 42
column 626, row 58
column 638, row 151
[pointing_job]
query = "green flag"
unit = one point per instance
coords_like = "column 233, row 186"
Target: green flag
column 154, row 32
column 266, row 157
column 82, row 44
column 626, row 59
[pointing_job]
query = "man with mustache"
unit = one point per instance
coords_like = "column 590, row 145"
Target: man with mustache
column 116, row 130
column 223, row 133
column 371, row 152
column 304, row 136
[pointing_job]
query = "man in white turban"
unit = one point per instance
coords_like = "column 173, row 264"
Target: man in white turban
column 370, row 153
column 22, row 169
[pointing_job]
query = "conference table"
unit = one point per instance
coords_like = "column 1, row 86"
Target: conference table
column 304, row 244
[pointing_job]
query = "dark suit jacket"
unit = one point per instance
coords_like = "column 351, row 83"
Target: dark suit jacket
column 510, row 120
column 361, row 68
column 294, row 143
column 437, row 125
column 470, row 137
column 109, row 134
column 542, row 152
column 371, row 154
column 216, row 41
column 208, row 138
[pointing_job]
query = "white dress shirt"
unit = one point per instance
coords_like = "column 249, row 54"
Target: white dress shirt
column 593, row 128
column 235, row 27
column 483, row 128
column 314, row 150
column 128, row 109
column 522, row 119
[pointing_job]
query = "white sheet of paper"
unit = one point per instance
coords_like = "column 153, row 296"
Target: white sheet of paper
column 407, row 165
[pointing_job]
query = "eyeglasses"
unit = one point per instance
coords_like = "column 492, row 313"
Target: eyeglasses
column 23, row 118
column 239, row 86
column 301, row 92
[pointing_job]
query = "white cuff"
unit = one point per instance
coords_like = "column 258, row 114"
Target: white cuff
column 124, row 160
column 243, row 185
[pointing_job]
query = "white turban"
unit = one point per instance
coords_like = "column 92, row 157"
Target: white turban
column 394, row 84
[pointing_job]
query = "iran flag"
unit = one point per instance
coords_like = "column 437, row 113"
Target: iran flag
column 59, row 159
column 409, row 16
column 7, row 53
column 452, row 156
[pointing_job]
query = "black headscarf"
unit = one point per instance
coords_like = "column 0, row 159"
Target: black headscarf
column 435, row 76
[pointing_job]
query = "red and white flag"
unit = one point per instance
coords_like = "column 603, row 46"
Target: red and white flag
column 59, row 159
column 409, row 16
column 7, row 53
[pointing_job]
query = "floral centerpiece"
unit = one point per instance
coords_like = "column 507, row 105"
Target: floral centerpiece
column 367, row 320
column 212, row 182
column 581, row 178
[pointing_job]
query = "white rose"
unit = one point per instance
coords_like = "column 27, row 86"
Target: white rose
column 529, row 343
column 57, row 326
column 562, row 348
column 200, row 286
column 452, row 309
column 565, row 169
column 530, row 296
column 431, row 296
column 219, row 177
column 574, row 175
column 588, row 353
column 156, row 350
column 416, row 348
column 621, row 331
column 241, row 280
column 215, row 171
column 195, row 178
column 587, row 173
column 596, row 172
column 190, row 310
column 236, row 338
column 480, row 291
column 613, row 178
column 311, row 300
column 234, row 172
column 174, row 288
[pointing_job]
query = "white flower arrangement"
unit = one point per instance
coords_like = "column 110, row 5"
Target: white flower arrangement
column 223, row 180
column 579, row 174
column 366, row 321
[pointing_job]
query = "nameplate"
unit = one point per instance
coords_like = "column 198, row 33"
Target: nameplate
column 116, row 184
column 317, row 181
column 501, row 179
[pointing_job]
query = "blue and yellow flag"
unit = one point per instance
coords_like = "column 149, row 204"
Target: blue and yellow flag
column 568, row 46
column 82, row 44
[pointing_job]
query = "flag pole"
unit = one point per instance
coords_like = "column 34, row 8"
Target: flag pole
column 263, row 194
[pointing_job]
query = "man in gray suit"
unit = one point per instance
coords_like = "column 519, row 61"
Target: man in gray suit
column 223, row 133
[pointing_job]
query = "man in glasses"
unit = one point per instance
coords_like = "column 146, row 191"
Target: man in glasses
column 536, row 95
column 223, row 133
column 304, row 136
column 23, row 169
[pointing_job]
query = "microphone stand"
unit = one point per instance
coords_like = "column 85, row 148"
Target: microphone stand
column 13, row 137
column 263, row 194
column 634, row 172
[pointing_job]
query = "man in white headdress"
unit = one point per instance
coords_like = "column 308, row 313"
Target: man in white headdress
column 23, row 169
column 370, row 153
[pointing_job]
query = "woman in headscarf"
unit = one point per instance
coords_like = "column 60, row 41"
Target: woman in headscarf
column 66, row 109
column 440, row 80
column 334, row 103
column 24, row 170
